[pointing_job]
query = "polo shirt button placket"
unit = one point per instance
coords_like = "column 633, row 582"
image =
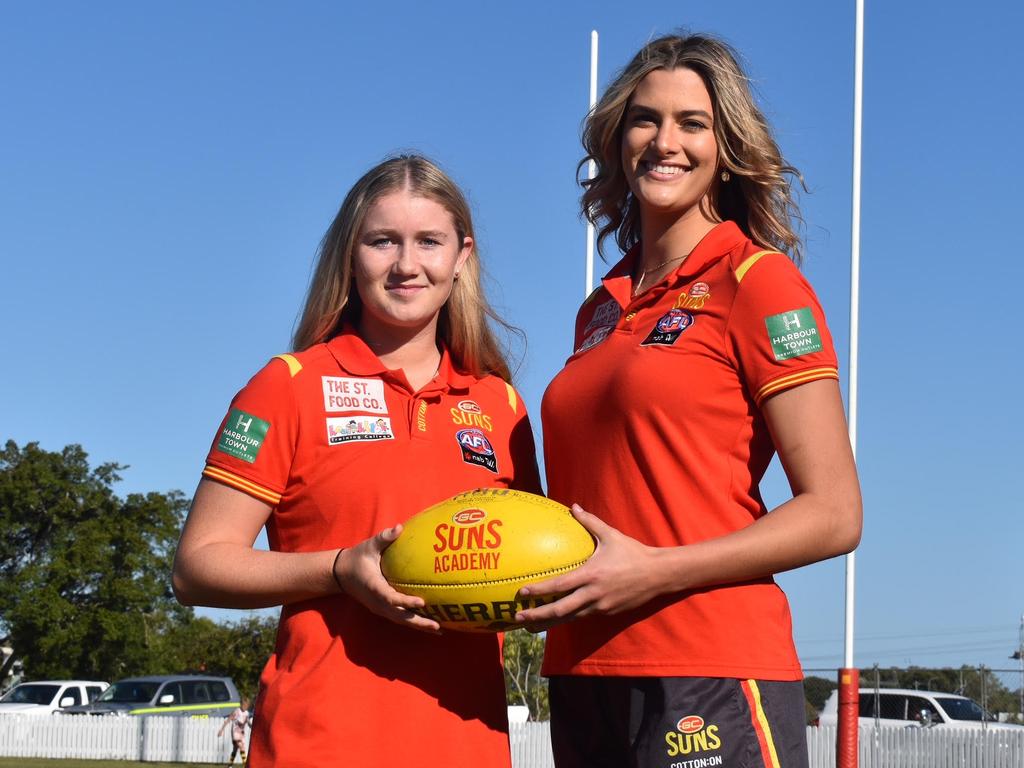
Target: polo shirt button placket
column 418, row 406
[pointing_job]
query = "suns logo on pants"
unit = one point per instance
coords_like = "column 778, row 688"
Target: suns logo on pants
column 692, row 736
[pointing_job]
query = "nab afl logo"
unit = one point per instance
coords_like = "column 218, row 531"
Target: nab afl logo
column 474, row 440
column 476, row 449
column 469, row 516
column 668, row 328
column 675, row 320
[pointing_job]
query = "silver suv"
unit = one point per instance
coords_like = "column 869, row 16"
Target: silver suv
column 190, row 695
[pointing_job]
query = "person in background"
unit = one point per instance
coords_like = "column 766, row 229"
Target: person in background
column 394, row 336
column 703, row 353
column 238, row 719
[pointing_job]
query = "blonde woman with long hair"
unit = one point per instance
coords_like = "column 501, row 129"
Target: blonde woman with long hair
column 330, row 447
column 703, row 353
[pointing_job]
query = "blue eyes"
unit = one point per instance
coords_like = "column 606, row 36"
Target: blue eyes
column 386, row 242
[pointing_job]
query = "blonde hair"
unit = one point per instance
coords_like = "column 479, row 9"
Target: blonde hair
column 333, row 299
column 759, row 195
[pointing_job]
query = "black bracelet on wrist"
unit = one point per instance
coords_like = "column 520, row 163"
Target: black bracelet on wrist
column 334, row 569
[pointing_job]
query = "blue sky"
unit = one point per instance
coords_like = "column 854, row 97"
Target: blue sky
column 167, row 171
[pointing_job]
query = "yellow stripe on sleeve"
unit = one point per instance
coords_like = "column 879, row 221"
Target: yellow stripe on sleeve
column 513, row 399
column 748, row 262
column 241, row 484
column 793, row 380
column 294, row 366
column 762, row 719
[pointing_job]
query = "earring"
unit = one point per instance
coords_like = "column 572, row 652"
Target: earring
column 456, row 275
column 725, row 176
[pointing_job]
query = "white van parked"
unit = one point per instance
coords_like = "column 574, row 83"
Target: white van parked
column 908, row 708
column 44, row 697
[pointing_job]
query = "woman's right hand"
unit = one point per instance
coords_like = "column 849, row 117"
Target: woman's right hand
column 357, row 570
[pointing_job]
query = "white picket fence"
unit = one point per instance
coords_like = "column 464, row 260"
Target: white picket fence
column 188, row 740
column 922, row 747
column 155, row 739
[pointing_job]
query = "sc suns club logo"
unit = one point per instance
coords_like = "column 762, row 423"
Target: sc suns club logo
column 476, row 449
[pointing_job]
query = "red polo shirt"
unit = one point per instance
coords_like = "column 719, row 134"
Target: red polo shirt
column 341, row 447
column 655, row 426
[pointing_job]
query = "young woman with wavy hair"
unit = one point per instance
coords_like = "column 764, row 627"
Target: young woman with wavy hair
column 703, row 353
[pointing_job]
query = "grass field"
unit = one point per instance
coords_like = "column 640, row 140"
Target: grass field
column 46, row 762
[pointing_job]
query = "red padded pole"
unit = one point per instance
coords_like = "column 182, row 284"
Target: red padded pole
column 849, row 711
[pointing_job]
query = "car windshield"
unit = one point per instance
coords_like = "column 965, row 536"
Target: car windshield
column 129, row 692
column 30, row 694
column 961, row 709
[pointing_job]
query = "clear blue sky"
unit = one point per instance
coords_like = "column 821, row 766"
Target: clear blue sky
column 167, row 170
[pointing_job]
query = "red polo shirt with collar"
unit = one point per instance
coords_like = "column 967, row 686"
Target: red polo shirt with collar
column 341, row 447
column 654, row 425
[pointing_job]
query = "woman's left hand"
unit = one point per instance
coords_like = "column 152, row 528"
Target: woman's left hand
column 620, row 575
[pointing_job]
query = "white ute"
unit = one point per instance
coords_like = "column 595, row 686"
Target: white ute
column 908, row 708
column 46, row 697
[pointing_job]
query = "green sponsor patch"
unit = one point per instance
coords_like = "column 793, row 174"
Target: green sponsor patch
column 242, row 436
column 793, row 333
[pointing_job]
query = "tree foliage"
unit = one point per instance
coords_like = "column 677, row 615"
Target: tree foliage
column 85, row 587
column 84, row 575
column 816, row 692
column 236, row 649
column 523, row 653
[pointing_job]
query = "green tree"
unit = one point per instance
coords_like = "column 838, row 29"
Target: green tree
column 816, row 692
column 84, row 575
column 523, row 654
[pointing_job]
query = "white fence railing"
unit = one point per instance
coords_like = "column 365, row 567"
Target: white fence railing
column 187, row 740
column 156, row 739
column 922, row 747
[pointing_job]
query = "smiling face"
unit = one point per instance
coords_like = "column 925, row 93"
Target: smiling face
column 404, row 265
column 669, row 151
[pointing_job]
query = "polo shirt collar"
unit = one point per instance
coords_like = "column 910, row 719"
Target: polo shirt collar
column 355, row 356
column 722, row 239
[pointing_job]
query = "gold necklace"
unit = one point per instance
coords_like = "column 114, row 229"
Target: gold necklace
column 654, row 269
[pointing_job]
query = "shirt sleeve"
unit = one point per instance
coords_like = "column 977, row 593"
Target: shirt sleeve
column 525, row 474
column 254, row 447
column 777, row 334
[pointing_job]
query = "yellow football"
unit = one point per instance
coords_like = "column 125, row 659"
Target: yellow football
column 469, row 555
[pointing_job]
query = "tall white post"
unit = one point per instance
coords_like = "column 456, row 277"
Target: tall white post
column 858, row 98
column 591, row 168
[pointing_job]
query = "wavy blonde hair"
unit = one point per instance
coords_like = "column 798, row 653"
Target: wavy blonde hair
column 333, row 299
column 758, row 197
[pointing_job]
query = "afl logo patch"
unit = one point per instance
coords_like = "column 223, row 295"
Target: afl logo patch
column 668, row 328
column 476, row 449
